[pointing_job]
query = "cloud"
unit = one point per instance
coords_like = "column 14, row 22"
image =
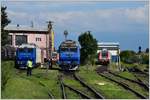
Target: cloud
column 99, row 20
column 139, row 15
column 111, row 24
column 17, row 14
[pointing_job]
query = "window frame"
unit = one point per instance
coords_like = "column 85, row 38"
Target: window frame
column 22, row 41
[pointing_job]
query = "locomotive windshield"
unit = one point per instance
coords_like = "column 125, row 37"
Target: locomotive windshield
column 63, row 49
column 30, row 50
column 104, row 54
column 21, row 50
column 73, row 49
column 54, row 54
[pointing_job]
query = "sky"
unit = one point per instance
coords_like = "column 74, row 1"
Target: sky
column 126, row 22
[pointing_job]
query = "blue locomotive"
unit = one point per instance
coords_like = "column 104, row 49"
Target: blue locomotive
column 25, row 52
column 69, row 55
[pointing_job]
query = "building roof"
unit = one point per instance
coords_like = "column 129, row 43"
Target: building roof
column 108, row 43
column 29, row 45
column 25, row 28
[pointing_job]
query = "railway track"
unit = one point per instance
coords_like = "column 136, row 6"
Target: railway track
column 146, row 84
column 49, row 92
column 140, row 82
column 42, row 84
column 81, row 93
column 97, row 94
column 62, row 87
column 138, row 70
column 124, row 85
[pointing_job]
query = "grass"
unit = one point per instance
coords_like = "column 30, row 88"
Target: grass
column 134, row 86
column 77, row 85
column 8, row 71
column 71, row 94
column 141, row 67
column 113, row 67
column 19, row 86
column 109, row 89
column 127, row 74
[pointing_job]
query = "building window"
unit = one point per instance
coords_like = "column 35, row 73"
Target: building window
column 20, row 39
column 38, row 39
column 10, row 39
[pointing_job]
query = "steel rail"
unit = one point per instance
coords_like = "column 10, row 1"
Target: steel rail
column 98, row 95
column 137, row 82
column 62, row 88
column 78, row 91
column 49, row 92
column 146, row 85
column 125, row 86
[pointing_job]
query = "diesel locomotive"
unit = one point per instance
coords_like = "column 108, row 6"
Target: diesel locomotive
column 69, row 55
column 25, row 52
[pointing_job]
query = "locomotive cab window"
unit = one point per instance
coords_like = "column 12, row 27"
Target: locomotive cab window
column 104, row 54
column 21, row 50
column 73, row 49
column 63, row 49
column 30, row 50
column 54, row 54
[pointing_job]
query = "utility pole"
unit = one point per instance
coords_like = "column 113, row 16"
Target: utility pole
column 49, row 40
column 48, row 45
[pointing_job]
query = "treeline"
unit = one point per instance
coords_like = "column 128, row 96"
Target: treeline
column 129, row 56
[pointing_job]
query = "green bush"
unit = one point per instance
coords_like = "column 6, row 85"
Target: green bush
column 7, row 70
column 145, row 59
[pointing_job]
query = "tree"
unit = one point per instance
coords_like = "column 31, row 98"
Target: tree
column 65, row 33
column 88, row 47
column 147, row 50
column 128, row 56
column 4, row 22
column 145, row 58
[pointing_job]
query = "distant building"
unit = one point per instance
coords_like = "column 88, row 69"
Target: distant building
column 112, row 47
column 43, row 37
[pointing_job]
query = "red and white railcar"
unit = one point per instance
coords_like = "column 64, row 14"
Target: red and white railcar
column 104, row 57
